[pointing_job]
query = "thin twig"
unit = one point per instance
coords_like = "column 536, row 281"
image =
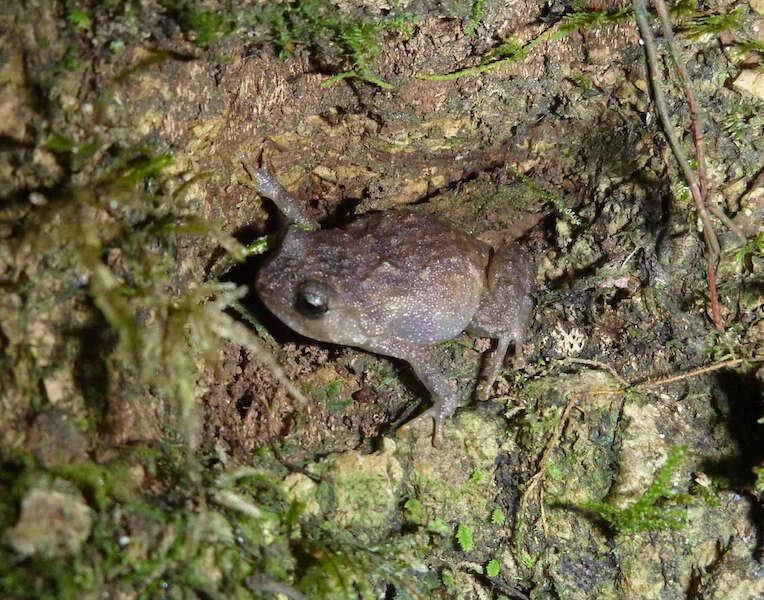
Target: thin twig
column 716, row 314
column 697, row 130
column 546, row 457
column 732, row 362
column 697, row 136
column 598, row 365
column 274, row 587
column 640, row 14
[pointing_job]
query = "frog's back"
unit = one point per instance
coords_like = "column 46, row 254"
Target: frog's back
column 415, row 244
column 416, row 277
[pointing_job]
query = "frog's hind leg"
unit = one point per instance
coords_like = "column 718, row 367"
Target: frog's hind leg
column 444, row 395
column 491, row 367
column 504, row 312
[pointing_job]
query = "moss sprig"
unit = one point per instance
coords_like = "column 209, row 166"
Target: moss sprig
column 351, row 45
column 659, row 507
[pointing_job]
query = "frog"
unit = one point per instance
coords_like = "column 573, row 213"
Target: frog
column 395, row 283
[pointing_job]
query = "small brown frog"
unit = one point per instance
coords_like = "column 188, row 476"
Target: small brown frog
column 395, row 282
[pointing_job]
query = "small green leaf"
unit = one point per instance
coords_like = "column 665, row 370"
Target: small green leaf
column 438, row 526
column 492, row 568
column 334, row 389
column 59, row 144
column 448, row 578
column 260, row 245
column 412, row 510
column 498, row 517
column 464, row 537
column 477, row 475
column 79, row 19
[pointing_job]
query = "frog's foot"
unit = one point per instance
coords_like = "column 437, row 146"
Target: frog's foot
column 437, row 424
column 438, row 412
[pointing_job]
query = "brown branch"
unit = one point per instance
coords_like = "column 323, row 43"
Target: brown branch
column 732, row 362
column 712, row 243
column 697, row 130
column 640, row 13
column 715, row 312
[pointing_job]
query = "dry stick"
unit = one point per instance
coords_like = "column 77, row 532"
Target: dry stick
column 697, row 130
column 597, row 364
column 697, row 136
column 538, row 476
column 732, row 362
column 640, row 14
column 715, row 312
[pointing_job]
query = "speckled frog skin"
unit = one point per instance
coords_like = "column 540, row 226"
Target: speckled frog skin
column 393, row 283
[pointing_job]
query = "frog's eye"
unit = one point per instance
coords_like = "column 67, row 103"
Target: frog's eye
column 313, row 299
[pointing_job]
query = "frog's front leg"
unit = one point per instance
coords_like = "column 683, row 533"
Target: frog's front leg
column 444, row 396
column 269, row 187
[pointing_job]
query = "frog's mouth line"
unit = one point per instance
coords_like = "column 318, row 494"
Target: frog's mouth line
column 316, row 328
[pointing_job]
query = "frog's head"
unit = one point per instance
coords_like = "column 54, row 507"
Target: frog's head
column 300, row 283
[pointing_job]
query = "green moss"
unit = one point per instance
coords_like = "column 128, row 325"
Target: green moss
column 79, row 19
column 712, row 23
column 97, row 481
column 477, row 16
column 477, row 476
column 70, row 61
column 754, row 248
column 447, row 577
column 492, row 568
column 759, row 483
column 558, row 202
column 205, row 537
column 348, row 44
column 343, row 567
column 204, row 26
column 510, row 50
column 413, row 511
column 439, row 527
column 582, row 81
column 655, row 510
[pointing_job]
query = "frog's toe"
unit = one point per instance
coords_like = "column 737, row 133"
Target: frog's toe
column 437, row 421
